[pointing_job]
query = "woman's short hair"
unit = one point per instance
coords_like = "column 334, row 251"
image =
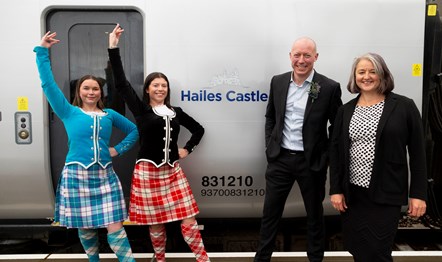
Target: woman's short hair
column 386, row 78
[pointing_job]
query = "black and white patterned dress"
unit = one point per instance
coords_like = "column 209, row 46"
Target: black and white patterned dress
column 363, row 126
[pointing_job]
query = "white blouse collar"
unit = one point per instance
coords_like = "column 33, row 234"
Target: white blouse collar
column 163, row 110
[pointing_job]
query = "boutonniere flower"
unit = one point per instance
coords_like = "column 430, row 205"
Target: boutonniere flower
column 314, row 90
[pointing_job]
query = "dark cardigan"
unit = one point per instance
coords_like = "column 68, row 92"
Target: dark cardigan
column 399, row 132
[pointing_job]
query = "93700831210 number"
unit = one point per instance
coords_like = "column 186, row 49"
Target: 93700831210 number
column 232, row 192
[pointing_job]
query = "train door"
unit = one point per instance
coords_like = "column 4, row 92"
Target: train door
column 432, row 113
column 83, row 50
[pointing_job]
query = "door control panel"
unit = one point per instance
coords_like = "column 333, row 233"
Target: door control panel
column 23, row 128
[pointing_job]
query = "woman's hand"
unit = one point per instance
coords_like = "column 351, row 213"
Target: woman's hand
column 114, row 37
column 49, row 40
column 113, row 152
column 416, row 207
column 338, row 202
column 183, row 153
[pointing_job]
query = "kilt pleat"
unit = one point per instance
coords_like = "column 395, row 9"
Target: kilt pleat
column 89, row 198
column 160, row 195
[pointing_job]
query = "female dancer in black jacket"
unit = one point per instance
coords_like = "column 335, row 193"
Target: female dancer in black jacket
column 160, row 191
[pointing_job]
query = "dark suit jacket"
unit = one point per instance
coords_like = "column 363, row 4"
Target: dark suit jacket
column 400, row 126
column 317, row 115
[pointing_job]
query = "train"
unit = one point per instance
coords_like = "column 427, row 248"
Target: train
column 219, row 56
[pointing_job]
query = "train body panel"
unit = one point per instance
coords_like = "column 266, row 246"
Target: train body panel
column 219, row 57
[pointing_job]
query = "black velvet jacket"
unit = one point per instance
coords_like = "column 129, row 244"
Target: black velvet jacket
column 158, row 134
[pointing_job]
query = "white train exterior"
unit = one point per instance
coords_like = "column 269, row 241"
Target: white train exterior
column 219, row 57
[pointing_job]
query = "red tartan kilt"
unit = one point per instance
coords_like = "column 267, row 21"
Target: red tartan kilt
column 160, row 195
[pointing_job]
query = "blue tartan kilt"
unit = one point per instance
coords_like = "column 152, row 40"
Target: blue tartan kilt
column 89, row 198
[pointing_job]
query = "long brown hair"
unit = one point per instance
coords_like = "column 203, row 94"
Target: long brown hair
column 149, row 80
column 77, row 99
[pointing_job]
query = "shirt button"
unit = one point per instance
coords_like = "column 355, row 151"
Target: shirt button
column 92, row 148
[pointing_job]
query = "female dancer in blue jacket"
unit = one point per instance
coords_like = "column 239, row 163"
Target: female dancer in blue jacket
column 89, row 194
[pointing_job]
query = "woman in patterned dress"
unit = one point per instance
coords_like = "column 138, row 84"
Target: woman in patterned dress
column 368, row 167
column 89, row 194
column 160, row 191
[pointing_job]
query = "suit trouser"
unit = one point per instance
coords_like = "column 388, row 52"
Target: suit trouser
column 280, row 177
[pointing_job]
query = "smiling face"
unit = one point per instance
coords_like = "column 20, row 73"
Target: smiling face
column 90, row 92
column 367, row 79
column 303, row 57
column 157, row 91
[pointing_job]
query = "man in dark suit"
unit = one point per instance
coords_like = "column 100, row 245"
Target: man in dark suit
column 301, row 103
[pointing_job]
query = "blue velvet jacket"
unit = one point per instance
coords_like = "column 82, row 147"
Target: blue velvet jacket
column 88, row 134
